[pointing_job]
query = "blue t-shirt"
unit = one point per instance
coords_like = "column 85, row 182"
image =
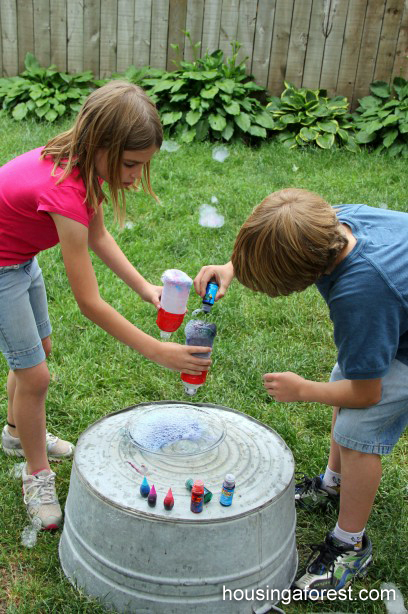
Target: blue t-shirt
column 367, row 293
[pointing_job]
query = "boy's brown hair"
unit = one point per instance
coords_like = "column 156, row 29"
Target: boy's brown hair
column 118, row 116
column 290, row 240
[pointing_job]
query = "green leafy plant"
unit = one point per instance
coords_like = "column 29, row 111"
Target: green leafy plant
column 382, row 117
column 44, row 93
column 207, row 98
column 307, row 117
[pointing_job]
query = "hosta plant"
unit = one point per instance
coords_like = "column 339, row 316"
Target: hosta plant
column 44, row 93
column 382, row 118
column 208, row 98
column 307, row 117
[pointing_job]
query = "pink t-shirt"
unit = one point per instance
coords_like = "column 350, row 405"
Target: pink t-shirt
column 27, row 192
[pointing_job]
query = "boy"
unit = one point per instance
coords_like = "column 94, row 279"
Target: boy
column 357, row 257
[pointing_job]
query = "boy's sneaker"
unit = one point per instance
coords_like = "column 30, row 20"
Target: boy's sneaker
column 310, row 494
column 336, row 565
column 57, row 449
column 41, row 498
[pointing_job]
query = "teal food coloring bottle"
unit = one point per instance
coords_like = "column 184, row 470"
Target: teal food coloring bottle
column 227, row 491
column 209, row 298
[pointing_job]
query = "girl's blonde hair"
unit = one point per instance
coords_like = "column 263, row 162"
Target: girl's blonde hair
column 118, row 116
column 290, row 240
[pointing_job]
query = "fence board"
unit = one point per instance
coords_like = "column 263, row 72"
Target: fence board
column 229, row 25
column 211, row 29
column 176, row 36
column 160, row 19
column 400, row 68
column 369, row 47
column 42, row 40
column 25, row 29
column 92, row 29
column 58, row 34
column 351, row 48
column 142, row 32
column 8, row 15
column 280, row 45
column 194, row 25
column 108, row 40
column 75, row 38
column 335, row 27
column 388, row 40
column 246, row 31
column 126, row 16
column 263, row 41
column 315, row 46
column 298, row 41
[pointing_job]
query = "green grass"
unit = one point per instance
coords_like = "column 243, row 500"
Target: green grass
column 93, row 375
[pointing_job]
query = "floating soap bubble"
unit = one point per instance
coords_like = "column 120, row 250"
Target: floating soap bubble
column 129, row 225
column 209, row 217
column 220, row 153
column 30, row 532
column 214, row 200
column 170, row 146
column 17, row 470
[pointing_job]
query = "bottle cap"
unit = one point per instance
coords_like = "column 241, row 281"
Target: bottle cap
column 230, row 479
column 198, row 486
column 165, row 335
column 190, row 389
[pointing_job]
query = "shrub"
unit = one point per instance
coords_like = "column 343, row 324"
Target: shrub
column 207, row 98
column 382, row 117
column 44, row 93
column 308, row 117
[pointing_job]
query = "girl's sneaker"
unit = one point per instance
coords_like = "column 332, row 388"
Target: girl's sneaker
column 334, row 567
column 310, row 494
column 41, row 498
column 57, row 449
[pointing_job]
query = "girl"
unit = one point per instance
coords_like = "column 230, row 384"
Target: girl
column 53, row 195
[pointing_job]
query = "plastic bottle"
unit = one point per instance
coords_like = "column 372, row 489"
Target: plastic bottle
column 168, row 500
column 197, row 497
column 201, row 333
column 152, row 497
column 144, row 488
column 173, row 302
column 209, row 298
column 207, row 493
column 227, row 491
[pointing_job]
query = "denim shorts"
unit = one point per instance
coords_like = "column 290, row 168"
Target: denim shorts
column 375, row 429
column 24, row 317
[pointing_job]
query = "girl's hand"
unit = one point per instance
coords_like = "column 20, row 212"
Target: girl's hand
column 285, row 386
column 151, row 294
column 180, row 358
column 223, row 275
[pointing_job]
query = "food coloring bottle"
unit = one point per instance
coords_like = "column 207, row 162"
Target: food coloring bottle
column 209, row 298
column 201, row 333
column 144, row 488
column 168, row 500
column 207, row 493
column 227, row 491
column 152, row 497
column 197, row 497
column 173, row 302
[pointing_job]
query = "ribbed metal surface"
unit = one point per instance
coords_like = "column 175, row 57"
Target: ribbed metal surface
column 149, row 560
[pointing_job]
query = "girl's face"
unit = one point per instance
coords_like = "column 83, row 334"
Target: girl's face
column 131, row 166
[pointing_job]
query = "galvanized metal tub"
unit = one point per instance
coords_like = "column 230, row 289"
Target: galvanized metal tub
column 135, row 558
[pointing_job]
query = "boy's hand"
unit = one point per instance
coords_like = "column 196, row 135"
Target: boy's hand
column 180, row 358
column 285, row 386
column 223, row 275
column 151, row 294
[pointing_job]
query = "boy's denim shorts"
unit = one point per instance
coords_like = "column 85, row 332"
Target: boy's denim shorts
column 24, row 317
column 375, row 429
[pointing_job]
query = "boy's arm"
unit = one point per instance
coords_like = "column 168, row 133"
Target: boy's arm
column 342, row 393
column 105, row 247
column 222, row 273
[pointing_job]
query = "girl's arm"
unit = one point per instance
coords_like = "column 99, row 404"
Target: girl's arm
column 105, row 247
column 356, row 393
column 74, row 246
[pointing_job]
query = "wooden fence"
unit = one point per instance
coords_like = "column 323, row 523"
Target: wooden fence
column 339, row 45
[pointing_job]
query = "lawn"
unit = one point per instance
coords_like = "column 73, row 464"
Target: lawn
column 93, row 375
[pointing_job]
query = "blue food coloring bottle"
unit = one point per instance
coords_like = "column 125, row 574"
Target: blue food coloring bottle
column 144, row 488
column 227, row 491
column 210, row 294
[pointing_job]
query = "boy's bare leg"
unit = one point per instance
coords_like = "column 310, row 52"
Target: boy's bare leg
column 27, row 389
column 360, row 478
column 334, row 462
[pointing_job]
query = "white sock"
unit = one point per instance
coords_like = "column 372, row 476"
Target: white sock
column 354, row 539
column 331, row 481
